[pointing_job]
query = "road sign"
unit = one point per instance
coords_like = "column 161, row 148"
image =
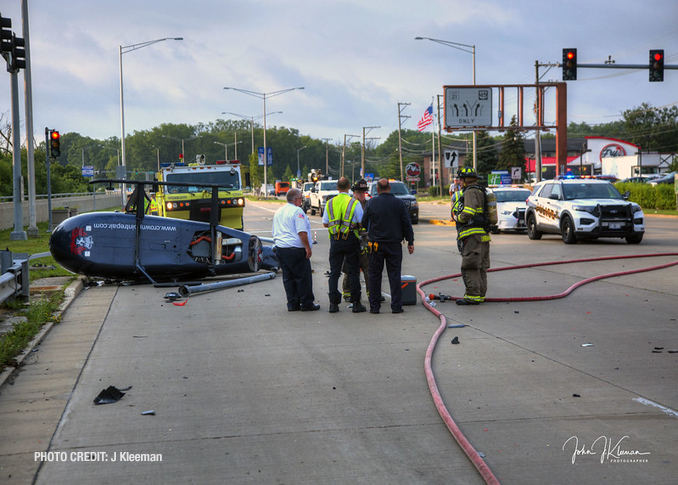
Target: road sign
column 88, row 171
column 412, row 169
column 516, row 173
column 451, row 158
column 468, row 107
column 413, row 179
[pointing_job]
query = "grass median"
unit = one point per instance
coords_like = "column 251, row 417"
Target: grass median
column 28, row 315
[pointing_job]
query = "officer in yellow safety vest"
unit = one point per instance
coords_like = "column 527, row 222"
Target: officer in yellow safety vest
column 473, row 237
column 342, row 218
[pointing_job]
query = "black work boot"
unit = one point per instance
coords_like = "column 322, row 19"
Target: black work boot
column 335, row 300
column 358, row 307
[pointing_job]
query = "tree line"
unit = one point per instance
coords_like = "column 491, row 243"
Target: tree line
column 654, row 129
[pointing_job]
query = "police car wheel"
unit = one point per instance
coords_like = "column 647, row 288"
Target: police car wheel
column 567, row 229
column 532, row 231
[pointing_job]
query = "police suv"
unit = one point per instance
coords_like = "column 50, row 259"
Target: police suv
column 582, row 209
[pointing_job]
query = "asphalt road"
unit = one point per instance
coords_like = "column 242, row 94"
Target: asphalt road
column 581, row 389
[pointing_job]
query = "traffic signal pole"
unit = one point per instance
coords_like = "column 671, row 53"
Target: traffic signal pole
column 655, row 65
column 48, row 161
column 18, row 234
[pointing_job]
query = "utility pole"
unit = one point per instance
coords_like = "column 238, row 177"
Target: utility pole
column 537, row 135
column 362, row 163
column 400, row 138
column 343, row 154
column 327, row 155
column 538, row 107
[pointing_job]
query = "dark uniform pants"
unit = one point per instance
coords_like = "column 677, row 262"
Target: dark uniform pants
column 475, row 261
column 341, row 249
column 363, row 264
column 297, row 277
column 392, row 255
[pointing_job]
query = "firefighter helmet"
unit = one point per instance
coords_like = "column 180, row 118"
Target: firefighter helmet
column 465, row 172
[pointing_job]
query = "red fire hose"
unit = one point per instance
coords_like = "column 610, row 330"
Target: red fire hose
column 472, row 454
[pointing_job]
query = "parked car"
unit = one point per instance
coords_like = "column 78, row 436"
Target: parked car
column 669, row 178
column 635, row 180
column 511, row 208
column 583, row 209
column 306, row 194
column 281, row 188
column 399, row 189
column 323, row 191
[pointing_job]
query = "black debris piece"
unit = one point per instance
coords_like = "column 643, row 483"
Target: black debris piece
column 172, row 296
column 109, row 395
column 455, row 340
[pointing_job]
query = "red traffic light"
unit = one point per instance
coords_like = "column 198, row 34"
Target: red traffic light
column 55, row 135
column 569, row 64
column 656, row 65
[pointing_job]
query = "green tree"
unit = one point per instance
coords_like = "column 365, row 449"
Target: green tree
column 288, row 175
column 513, row 150
column 487, row 153
column 651, row 128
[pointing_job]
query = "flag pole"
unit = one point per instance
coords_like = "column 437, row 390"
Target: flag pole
column 433, row 144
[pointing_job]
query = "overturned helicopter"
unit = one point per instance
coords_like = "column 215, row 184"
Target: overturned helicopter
column 132, row 245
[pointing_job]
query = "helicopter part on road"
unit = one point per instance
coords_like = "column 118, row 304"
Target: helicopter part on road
column 189, row 290
column 121, row 246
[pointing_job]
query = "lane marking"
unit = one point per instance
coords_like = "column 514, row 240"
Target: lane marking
column 647, row 402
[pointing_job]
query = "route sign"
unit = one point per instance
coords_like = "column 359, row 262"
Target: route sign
column 468, row 107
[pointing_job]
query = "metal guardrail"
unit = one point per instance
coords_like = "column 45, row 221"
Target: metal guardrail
column 15, row 280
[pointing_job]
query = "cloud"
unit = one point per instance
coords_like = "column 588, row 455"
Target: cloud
column 357, row 60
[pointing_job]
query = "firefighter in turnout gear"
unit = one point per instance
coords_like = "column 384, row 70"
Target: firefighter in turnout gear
column 342, row 218
column 473, row 238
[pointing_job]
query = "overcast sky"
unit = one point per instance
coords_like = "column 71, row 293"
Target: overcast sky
column 356, row 59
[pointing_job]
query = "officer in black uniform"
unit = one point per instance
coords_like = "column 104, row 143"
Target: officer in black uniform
column 388, row 222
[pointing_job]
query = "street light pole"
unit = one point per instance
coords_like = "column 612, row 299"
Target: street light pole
column 263, row 96
column 471, row 49
column 124, row 50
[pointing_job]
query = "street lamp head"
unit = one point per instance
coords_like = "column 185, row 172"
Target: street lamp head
column 177, row 38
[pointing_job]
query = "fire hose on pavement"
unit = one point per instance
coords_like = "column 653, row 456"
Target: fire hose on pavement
column 463, row 442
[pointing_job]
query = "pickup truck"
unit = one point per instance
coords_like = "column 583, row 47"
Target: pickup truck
column 323, row 191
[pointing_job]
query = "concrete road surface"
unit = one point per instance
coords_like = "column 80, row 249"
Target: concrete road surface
column 581, row 389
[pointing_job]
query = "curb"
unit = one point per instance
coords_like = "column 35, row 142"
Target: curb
column 70, row 294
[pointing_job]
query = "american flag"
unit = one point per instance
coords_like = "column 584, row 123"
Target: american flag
column 425, row 120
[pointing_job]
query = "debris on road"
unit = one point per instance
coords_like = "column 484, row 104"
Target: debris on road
column 109, row 395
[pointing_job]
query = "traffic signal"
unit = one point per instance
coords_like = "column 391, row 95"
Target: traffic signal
column 55, row 144
column 656, row 65
column 569, row 64
column 18, row 53
column 5, row 34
